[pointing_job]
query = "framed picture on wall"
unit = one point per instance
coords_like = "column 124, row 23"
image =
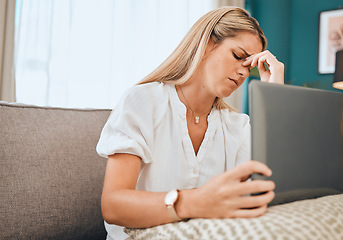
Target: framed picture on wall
column 330, row 39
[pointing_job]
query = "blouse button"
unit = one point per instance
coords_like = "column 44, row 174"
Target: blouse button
column 195, row 171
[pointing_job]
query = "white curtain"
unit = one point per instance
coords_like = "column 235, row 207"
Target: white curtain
column 7, row 86
column 86, row 53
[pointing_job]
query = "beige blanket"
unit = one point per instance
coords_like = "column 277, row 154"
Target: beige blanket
column 320, row 218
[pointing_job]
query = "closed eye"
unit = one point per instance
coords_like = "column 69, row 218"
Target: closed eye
column 235, row 56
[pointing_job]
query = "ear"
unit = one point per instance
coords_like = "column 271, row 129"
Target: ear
column 209, row 47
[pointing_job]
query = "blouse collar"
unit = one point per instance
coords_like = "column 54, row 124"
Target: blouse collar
column 181, row 108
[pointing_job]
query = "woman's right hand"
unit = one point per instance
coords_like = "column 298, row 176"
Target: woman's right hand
column 276, row 71
column 228, row 195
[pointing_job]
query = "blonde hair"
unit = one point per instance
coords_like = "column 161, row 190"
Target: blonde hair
column 225, row 22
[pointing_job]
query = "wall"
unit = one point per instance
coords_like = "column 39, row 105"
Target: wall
column 291, row 27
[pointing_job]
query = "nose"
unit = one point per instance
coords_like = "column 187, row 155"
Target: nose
column 243, row 71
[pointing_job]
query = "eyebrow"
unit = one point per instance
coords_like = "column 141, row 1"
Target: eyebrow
column 245, row 52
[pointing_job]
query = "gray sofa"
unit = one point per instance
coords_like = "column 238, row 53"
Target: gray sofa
column 50, row 174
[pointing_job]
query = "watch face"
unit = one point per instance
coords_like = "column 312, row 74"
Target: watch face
column 171, row 197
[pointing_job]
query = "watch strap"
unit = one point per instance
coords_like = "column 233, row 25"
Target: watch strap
column 172, row 212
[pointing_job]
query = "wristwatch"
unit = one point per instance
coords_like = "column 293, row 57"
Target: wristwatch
column 170, row 200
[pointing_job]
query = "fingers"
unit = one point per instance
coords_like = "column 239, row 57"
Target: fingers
column 260, row 58
column 274, row 74
column 226, row 195
column 256, row 201
column 245, row 170
column 250, row 213
column 248, row 202
column 244, row 206
column 255, row 186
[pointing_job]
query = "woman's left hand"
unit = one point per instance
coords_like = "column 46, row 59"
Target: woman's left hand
column 275, row 73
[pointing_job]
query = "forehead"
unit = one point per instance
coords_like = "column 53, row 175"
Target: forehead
column 249, row 42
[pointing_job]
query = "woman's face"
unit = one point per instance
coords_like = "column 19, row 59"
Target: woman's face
column 222, row 70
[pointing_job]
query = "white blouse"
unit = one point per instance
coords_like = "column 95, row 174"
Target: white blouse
column 150, row 122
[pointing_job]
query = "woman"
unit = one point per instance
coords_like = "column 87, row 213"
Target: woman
column 174, row 131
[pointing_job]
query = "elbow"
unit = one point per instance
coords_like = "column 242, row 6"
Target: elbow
column 109, row 218
column 109, row 214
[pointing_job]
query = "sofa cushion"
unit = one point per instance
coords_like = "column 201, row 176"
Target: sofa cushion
column 51, row 176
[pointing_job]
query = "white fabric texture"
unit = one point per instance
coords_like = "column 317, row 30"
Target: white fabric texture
column 150, row 122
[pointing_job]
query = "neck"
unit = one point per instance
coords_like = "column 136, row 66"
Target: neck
column 195, row 98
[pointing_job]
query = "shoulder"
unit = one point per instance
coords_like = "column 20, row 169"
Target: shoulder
column 147, row 100
column 145, row 91
column 237, row 125
column 234, row 118
column 143, row 95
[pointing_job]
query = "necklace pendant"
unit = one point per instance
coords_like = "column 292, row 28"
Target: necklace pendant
column 197, row 119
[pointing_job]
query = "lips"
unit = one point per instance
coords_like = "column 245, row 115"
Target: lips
column 235, row 81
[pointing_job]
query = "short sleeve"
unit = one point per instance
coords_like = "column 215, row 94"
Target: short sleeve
column 129, row 128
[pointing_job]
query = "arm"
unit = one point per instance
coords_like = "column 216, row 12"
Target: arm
column 222, row 197
column 121, row 204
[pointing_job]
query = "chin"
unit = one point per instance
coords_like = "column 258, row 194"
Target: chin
column 224, row 95
column 226, row 92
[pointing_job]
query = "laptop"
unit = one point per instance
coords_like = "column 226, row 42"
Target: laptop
column 298, row 133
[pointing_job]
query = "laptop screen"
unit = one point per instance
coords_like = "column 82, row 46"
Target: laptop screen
column 297, row 132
